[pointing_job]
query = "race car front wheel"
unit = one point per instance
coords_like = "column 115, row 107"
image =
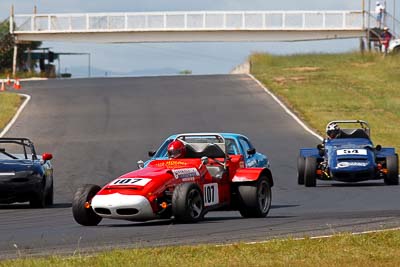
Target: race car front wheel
column 255, row 199
column 85, row 215
column 301, row 165
column 392, row 165
column 187, row 203
column 310, row 176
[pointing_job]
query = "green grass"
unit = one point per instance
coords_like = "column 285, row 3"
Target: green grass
column 9, row 104
column 325, row 87
column 378, row 249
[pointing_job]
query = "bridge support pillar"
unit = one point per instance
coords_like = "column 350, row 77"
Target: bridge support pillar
column 14, row 66
column 362, row 45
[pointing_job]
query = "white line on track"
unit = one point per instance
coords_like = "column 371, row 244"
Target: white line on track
column 20, row 109
column 287, row 110
column 325, row 236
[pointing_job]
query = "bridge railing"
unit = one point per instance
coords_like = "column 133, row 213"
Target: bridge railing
column 184, row 21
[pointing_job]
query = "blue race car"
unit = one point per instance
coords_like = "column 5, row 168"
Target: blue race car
column 24, row 175
column 236, row 144
column 347, row 155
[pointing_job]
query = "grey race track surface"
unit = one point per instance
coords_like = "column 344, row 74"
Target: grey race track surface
column 98, row 128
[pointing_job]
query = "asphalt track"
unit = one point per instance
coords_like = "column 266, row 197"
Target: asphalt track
column 98, row 128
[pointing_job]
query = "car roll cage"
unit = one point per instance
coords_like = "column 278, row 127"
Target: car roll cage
column 24, row 142
column 363, row 124
column 220, row 145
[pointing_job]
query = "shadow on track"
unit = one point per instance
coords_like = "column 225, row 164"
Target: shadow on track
column 360, row 184
column 21, row 206
column 205, row 221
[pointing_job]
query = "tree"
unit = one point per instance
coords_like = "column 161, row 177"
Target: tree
column 7, row 48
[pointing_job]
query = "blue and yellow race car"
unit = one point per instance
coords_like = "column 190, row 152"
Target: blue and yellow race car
column 347, row 155
column 236, row 144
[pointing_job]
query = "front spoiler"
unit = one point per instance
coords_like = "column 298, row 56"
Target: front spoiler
column 123, row 207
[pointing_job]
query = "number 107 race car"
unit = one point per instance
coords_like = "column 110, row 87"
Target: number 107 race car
column 199, row 176
column 347, row 155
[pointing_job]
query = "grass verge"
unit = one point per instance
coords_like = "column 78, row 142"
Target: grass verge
column 325, row 87
column 377, row 249
column 9, row 104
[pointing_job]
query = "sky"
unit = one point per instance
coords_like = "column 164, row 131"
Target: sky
column 169, row 58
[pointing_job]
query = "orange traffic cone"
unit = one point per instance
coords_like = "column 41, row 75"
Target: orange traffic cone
column 3, row 88
column 17, row 85
column 8, row 81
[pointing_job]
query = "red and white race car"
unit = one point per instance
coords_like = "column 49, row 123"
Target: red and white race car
column 198, row 177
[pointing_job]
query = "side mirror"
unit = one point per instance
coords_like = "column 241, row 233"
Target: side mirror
column 140, row 164
column 151, row 153
column 378, row 147
column 204, row 160
column 320, row 146
column 47, row 156
column 251, row 151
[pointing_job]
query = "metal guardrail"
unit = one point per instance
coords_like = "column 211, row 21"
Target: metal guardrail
column 188, row 21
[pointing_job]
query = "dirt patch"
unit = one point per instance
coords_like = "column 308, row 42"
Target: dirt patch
column 363, row 65
column 298, row 78
column 304, row 69
column 282, row 80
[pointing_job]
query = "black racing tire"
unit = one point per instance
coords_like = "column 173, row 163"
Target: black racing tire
column 82, row 215
column 396, row 50
column 38, row 199
column 310, row 177
column 50, row 195
column 255, row 198
column 392, row 165
column 301, row 165
column 187, row 203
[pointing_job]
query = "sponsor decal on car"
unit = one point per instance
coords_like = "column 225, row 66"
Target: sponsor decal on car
column 341, row 152
column 185, row 173
column 130, row 181
column 348, row 164
column 171, row 164
column 210, row 194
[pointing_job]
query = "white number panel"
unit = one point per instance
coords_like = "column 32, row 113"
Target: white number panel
column 131, row 181
column 210, row 194
column 352, row 152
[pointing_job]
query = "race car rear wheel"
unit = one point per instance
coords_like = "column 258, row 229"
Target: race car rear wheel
column 310, row 177
column 301, row 165
column 392, row 165
column 50, row 195
column 255, row 199
column 187, row 203
column 38, row 199
column 83, row 215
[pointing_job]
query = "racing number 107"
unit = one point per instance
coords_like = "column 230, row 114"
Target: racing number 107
column 210, row 194
column 127, row 181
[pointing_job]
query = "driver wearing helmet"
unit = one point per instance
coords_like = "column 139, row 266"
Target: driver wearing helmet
column 333, row 131
column 176, row 149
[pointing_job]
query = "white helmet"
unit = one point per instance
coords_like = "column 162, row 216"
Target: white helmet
column 332, row 130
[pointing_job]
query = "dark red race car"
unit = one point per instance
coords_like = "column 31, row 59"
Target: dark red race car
column 199, row 177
